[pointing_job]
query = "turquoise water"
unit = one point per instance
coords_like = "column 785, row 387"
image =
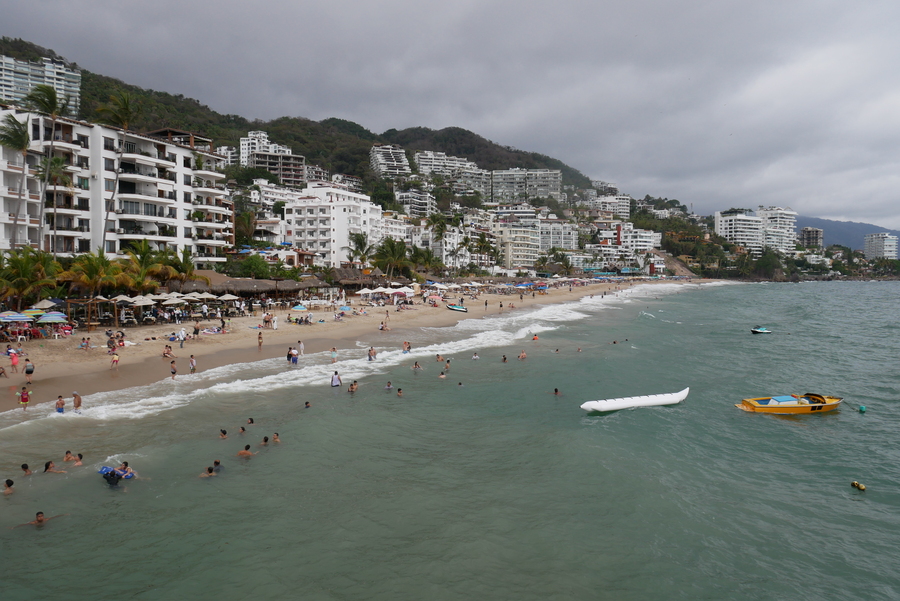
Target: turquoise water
column 497, row 489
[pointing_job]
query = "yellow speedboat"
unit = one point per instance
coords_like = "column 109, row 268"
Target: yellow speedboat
column 791, row 404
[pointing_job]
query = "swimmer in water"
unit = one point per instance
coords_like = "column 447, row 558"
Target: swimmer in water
column 210, row 472
column 275, row 438
column 243, row 430
column 389, row 386
column 40, row 520
column 353, row 387
column 265, row 441
column 223, row 434
column 504, row 360
column 25, row 469
column 438, row 358
column 68, row 457
column 399, row 392
column 79, row 460
column 250, row 420
column 557, row 392
column 442, row 375
column 51, row 467
column 416, row 366
column 246, row 452
column 307, row 405
column 8, row 487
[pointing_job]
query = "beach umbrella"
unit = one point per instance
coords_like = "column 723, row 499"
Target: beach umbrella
column 382, row 289
column 121, row 297
column 44, row 304
column 299, row 308
column 364, row 291
column 405, row 290
column 454, row 286
column 207, row 295
column 12, row 316
column 100, row 297
column 33, row 312
column 174, row 301
column 229, row 297
column 144, row 303
column 52, row 319
column 440, row 286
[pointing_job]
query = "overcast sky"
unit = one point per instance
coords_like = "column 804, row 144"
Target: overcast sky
column 716, row 103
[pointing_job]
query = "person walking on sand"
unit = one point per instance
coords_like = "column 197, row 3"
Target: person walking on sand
column 300, row 346
column 193, row 365
column 174, row 369
column 29, row 370
column 14, row 362
column 259, row 341
column 114, row 361
column 333, row 355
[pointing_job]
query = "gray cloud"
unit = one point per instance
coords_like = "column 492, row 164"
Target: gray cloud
column 717, row 104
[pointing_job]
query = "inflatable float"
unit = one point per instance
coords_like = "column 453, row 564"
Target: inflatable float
column 652, row 400
column 106, row 469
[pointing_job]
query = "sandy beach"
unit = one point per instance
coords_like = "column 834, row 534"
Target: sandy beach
column 61, row 368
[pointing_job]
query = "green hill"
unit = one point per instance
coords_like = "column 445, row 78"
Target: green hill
column 338, row 145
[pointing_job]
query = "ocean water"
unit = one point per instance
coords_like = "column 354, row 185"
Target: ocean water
column 496, row 489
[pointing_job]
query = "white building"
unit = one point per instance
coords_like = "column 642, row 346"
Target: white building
column 881, row 245
column 18, row 78
column 389, row 161
column 155, row 189
column 230, row 155
column 289, row 168
column 430, row 162
column 558, row 233
column 353, row 183
column 416, row 203
column 525, row 184
column 519, row 245
column 779, row 228
column 324, row 217
column 467, row 182
column 618, row 205
column 741, row 228
column 258, row 141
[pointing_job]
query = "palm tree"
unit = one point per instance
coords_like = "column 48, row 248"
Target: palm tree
column 245, row 226
column 14, row 135
column 184, row 267
column 146, row 267
column 391, row 255
column 360, row 248
column 438, row 224
column 26, row 272
column 43, row 99
column 121, row 111
column 53, row 170
column 94, row 272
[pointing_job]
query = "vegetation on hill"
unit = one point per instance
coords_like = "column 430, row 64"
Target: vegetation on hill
column 24, row 50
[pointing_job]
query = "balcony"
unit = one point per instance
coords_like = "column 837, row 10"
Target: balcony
column 147, row 158
column 147, row 176
column 208, row 174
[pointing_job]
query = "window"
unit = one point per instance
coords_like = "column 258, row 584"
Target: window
column 186, row 197
column 109, row 185
column 111, row 246
column 188, row 232
column 186, row 161
column 109, row 164
column 187, row 179
column 84, row 183
column 109, row 144
column 131, row 208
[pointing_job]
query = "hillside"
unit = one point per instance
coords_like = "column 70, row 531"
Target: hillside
column 844, row 233
column 338, row 145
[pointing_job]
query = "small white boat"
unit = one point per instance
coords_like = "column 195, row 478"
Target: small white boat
column 459, row 308
column 652, row 400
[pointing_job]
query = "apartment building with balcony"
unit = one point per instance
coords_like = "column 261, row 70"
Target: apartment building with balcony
column 811, row 237
column 389, row 161
column 351, row 182
column 289, row 168
column 518, row 184
column 322, row 219
column 558, row 233
column 149, row 188
column 258, row 141
column 416, row 203
column 881, row 245
column 779, row 228
column 18, row 78
column 438, row 163
column 519, row 244
column 740, row 227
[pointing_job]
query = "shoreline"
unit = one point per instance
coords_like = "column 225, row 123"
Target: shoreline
column 61, row 369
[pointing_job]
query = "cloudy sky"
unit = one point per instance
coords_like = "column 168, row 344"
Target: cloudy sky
column 717, row 103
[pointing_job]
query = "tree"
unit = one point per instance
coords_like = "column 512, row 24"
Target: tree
column 254, row 266
column 44, row 99
column 184, row 267
column 14, row 135
column 53, row 170
column 121, row 111
column 359, row 248
column 438, row 224
column 245, row 227
column 25, row 272
column 146, row 268
column 391, row 256
column 94, row 272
